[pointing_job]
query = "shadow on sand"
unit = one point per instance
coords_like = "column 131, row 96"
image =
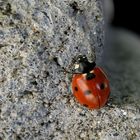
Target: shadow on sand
column 121, row 61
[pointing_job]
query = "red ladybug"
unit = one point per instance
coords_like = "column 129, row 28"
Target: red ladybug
column 91, row 86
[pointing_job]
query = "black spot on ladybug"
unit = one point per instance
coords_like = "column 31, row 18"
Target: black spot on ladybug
column 76, row 89
column 102, row 86
column 90, row 76
column 88, row 92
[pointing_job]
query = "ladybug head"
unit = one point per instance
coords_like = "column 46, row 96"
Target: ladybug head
column 82, row 65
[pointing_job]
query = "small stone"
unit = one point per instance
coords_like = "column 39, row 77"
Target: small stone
column 124, row 113
column 72, row 102
column 82, row 135
column 79, row 109
column 14, row 114
column 115, row 134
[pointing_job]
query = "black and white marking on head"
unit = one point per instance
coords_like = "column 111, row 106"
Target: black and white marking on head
column 76, row 66
column 82, row 65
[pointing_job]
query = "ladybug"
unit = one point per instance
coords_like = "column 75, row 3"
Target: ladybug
column 90, row 85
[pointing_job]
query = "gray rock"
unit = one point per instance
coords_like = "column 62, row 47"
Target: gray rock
column 37, row 40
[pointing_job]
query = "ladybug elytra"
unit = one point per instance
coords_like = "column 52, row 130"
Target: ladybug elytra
column 90, row 85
